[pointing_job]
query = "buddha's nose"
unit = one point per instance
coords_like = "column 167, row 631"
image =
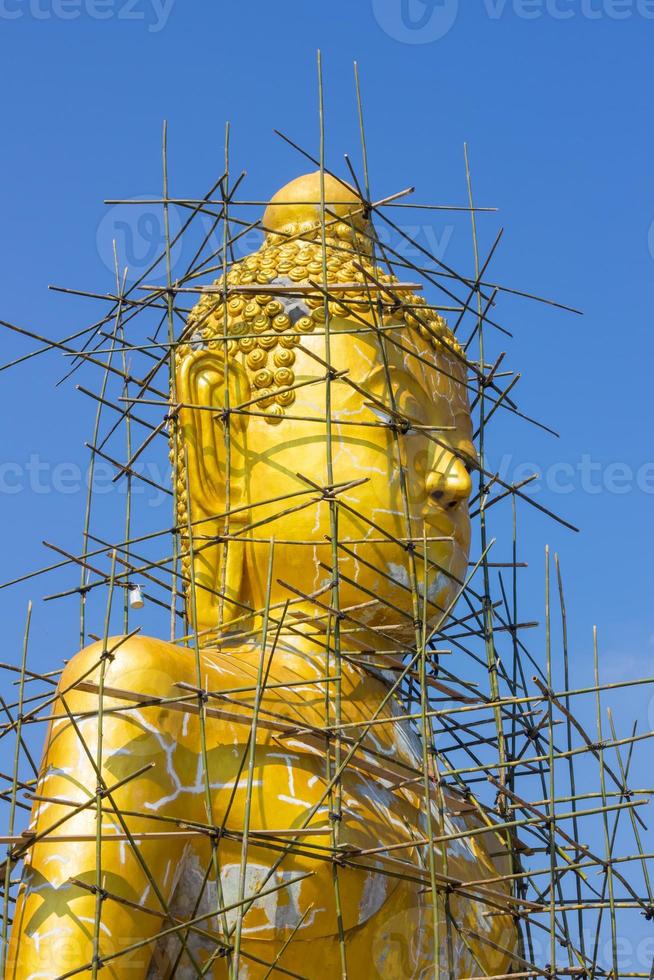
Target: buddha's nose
column 448, row 482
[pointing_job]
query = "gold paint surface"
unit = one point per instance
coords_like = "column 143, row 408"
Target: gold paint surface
column 401, row 445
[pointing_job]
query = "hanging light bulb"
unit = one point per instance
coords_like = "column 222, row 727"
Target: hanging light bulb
column 136, row 600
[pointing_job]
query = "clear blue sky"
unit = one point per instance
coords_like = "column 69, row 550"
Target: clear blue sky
column 554, row 99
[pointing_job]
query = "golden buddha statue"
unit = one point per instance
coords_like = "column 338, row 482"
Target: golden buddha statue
column 267, row 791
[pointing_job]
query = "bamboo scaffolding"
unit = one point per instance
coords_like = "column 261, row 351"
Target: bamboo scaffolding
column 504, row 738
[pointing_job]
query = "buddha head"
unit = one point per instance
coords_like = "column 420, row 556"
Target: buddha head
column 324, row 409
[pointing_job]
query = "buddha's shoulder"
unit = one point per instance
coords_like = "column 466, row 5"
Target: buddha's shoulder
column 300, row 678
column 120, row 654
column 281, row 661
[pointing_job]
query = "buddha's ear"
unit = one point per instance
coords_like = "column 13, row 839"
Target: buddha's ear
column 201, row 386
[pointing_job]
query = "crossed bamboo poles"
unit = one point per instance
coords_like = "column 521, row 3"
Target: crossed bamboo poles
column 525, row 731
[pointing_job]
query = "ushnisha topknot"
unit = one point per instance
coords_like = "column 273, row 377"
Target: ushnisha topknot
column 295, row 210
column 263, row 329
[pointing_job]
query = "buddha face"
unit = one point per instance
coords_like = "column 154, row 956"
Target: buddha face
column 361, row 480
column 399, row 507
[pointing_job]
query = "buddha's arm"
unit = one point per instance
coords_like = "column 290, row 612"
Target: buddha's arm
column 54, row 920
